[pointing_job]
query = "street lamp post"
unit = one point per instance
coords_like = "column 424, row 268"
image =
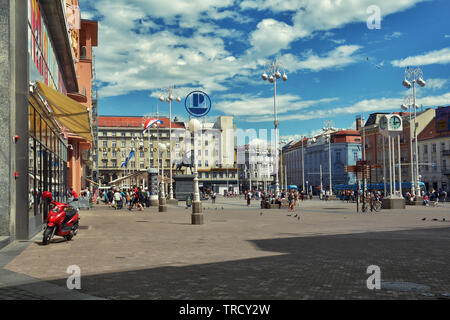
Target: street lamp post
column 273, row 74
column 415, row 75
column 162, row 200
column 329, row 164
column 197, row 214
column 328, row 128
column 407, row 106
column 169, row 100
column 303, row 166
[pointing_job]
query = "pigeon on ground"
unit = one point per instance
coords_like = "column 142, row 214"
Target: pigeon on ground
column 222, row 208
column 298, row 218
column 424, row 219
column 443, row 219
column 295, row 216
column 261, row 213
column 435, row 219
column 289, row 215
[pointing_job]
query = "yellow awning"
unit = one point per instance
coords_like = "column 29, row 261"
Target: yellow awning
column 69, row 113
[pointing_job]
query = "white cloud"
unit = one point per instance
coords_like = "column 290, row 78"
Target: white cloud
column 366, row 106
column 253, row 107
column 433, row 57
column 436, row 83
column 392, row 36
column 313, row 15
column 270, row 37
column 338, row 57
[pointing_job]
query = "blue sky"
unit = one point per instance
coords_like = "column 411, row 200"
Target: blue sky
column 337, row 67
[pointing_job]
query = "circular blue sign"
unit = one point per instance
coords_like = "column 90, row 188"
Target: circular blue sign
column 198, row 104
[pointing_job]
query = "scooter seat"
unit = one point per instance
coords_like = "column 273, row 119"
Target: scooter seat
column 71, row 212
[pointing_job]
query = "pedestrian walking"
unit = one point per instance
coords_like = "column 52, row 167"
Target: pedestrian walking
column 291, row 201
column 118, row 200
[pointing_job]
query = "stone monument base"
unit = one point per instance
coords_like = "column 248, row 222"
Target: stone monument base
column 196, row 207
column 173, row 202
column 154, row 202
column 184, row 186
column 393, row 203
column 197, row 219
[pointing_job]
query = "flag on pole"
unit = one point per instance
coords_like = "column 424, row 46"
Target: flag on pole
column 128, row 159
column 150, row 122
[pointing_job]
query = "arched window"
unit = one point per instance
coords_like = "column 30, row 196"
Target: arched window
column 83, row 52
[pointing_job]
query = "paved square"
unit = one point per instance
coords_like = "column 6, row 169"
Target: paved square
column 247, row 253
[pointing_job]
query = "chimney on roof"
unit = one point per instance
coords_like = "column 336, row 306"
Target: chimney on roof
column 358, row 123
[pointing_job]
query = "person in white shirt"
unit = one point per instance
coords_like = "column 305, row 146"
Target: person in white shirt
column 118, row 200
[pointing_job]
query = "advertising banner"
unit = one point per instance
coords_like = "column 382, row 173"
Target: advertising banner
column 443, row 119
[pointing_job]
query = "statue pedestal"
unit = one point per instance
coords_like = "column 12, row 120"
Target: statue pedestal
column 393, row 203
column 184, row 186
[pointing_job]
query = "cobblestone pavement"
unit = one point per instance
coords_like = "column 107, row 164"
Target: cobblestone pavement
column 247, row 253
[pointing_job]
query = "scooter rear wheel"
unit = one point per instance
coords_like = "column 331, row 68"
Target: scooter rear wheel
column 69, row 236
column 47, row 235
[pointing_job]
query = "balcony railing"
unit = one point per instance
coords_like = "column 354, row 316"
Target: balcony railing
column 446, row 152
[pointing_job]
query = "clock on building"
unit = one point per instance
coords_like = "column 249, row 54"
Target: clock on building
column 395, row 122
column 391, row 125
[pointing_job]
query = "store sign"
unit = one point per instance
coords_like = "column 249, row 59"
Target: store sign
column 443, row 119
column 198, row 104
column 43, row 63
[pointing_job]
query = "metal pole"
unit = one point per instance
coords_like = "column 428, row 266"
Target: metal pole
column 411, row 166
column 393, row 164
column 285, row 177
column 321, row 187
column 418, row 193
column 277, row 186
column 303, row 168
column 390, row 167
column 329, row 163
column 384, row 166
column 250, row 175
column 170, row 144
column 399, row 166
column 157, row 135
column 364, row 153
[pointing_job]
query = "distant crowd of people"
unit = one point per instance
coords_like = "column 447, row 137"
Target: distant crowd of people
column 292, row 198
column 131, row 198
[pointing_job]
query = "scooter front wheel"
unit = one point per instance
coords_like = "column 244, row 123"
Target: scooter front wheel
column 48, row 232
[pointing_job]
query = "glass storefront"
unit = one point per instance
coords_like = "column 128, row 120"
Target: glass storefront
column 47, row 162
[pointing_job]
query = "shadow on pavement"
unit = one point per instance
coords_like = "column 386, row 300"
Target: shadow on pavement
column 316, row 267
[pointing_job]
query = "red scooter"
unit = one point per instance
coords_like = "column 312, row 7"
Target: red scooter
column 63, row 220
